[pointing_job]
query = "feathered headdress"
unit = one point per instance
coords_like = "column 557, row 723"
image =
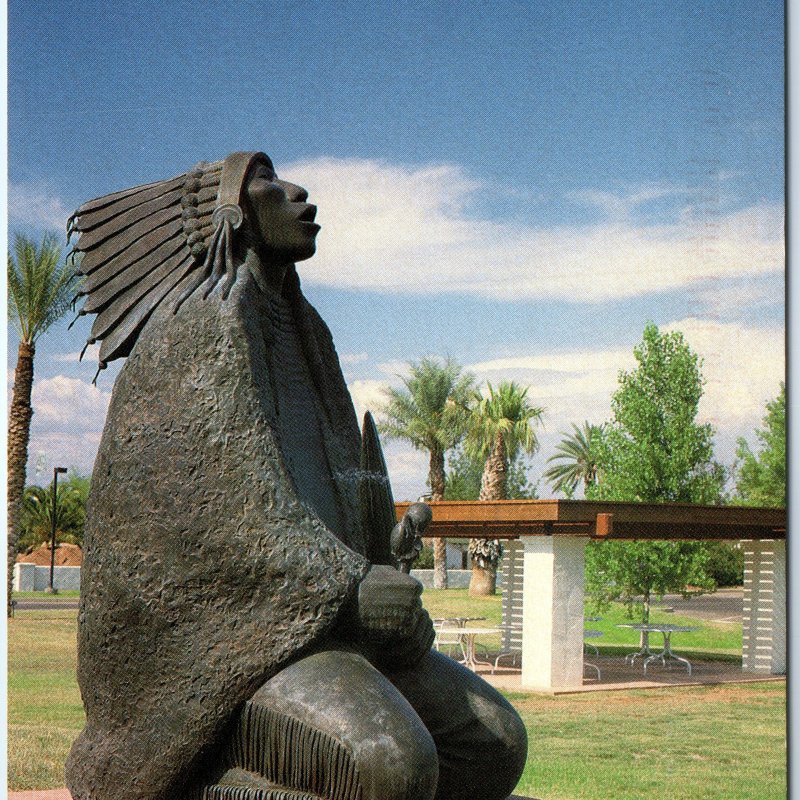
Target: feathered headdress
column 137, row 245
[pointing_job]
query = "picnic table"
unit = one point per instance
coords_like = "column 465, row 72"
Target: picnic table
column 468, row 638
column 666, row 652
column 457, row 627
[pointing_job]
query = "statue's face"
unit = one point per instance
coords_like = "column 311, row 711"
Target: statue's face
column 282, row 217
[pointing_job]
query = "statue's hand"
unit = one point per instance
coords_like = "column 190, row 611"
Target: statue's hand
column 391, row 620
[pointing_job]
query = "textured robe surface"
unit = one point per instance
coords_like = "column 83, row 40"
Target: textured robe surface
column 210, row 561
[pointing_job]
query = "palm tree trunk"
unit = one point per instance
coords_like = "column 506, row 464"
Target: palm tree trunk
column 19, row 430
column 495, row 472
column 483, row 580
column 436, row 477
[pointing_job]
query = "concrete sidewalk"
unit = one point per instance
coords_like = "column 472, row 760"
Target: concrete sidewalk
column 616, row 675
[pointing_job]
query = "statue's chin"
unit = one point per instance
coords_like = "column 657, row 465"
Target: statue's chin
column 305, row 253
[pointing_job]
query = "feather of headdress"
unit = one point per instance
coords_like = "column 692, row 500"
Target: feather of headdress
column 92, row 217
column 123, row 331
column 140, row 272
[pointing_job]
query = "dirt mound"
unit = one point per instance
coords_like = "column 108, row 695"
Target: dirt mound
column 67, row 555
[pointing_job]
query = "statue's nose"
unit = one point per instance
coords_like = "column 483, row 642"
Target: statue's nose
column 295, row 193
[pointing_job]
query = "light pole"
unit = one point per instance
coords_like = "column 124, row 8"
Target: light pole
column 56, row 472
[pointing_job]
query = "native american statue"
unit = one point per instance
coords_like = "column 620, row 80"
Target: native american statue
column 243, row 631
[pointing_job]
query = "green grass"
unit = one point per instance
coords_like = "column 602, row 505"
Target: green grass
column 693, row 743
column 45, row 713
column 61, row 594
column 687, row 743
column 712, row 641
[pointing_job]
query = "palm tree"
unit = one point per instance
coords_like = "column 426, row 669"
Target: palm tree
column 501, row 425
column 37, row 513
column 39, row 294
column 575, row 460
column 431, row 413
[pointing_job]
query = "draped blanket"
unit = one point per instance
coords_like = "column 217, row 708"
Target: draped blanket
column 208, row 567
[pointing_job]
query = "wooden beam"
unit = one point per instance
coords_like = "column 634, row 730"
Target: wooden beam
column 604, row 526
column 509, row 519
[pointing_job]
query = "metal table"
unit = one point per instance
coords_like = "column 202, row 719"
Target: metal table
column 468, row 638
column 648, row 655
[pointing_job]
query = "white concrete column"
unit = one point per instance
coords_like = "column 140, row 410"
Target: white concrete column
column 552, row 612
column 764, row 607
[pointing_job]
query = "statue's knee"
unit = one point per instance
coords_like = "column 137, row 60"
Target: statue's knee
column 507, row 745
column 512, row 746
column 487, row 759
column 398, row 765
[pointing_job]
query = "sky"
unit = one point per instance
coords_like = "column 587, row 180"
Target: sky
column 520, row 186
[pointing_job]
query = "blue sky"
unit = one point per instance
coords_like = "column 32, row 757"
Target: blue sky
column 519, row 185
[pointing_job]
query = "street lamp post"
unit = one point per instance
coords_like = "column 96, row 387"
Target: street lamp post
column 56, row 472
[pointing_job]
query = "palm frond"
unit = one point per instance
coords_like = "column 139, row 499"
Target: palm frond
column 39, row 286
column 432, row 408
column 508, row 412
column 574, row 461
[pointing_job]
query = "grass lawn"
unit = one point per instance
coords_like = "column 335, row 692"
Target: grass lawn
column 688, row 743
column 61, row 594
column 694, row 743
column 45, row 713
column 715, row 641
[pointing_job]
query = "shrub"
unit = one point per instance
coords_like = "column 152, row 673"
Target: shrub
column 725, row 563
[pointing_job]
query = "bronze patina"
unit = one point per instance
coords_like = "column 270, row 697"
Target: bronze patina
column 243, row 631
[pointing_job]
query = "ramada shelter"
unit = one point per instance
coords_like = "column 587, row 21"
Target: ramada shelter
column 543, row 570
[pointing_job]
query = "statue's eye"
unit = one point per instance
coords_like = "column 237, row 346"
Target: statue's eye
column 265, row 174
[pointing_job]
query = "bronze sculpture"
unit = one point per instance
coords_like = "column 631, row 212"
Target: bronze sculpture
column 241, row 635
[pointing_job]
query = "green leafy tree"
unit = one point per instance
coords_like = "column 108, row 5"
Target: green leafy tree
column 637, row 572
column 725, row 563
column 575, row 460
column 37, row 513
column 431, row 413
column 761, row 477
column 654, row 451
column 39, row 293
column 501, row 426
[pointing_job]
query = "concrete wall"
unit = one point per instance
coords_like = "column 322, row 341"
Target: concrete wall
column 33, row 578
column 456, row 578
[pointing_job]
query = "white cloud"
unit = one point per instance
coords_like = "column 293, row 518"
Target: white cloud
column 367, row 395
column 353, row 358
column 69, row 404
column 572, row 386
column 47, row 449
column 408, row 470
column 402, row 229
column 37, row 206
column 91, row 355
column 743, row 366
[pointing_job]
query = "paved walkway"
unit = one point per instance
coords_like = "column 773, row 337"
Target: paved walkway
column 724, row 605
column 615, row 674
